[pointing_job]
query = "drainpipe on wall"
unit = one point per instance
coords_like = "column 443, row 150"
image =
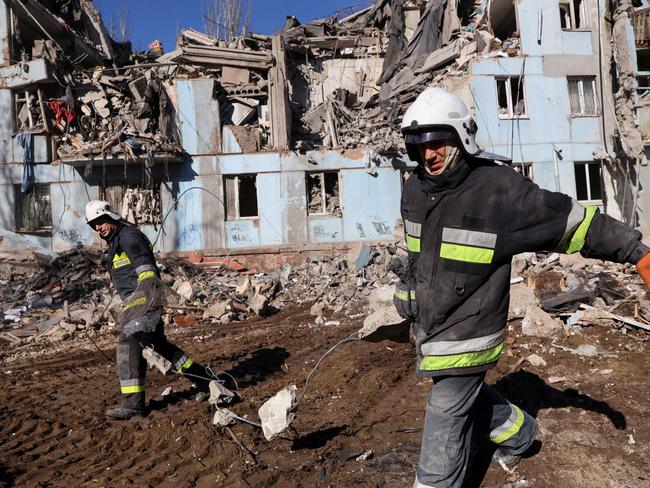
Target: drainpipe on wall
column 556, row 164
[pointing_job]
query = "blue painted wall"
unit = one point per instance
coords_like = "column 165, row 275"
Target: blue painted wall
column 548, row 126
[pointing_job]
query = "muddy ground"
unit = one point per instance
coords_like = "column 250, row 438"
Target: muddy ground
column 594, row 422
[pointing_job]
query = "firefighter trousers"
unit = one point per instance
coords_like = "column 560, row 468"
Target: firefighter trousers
column 457, row 406
column 132, row 367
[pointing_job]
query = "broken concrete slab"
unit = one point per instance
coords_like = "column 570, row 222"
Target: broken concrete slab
column 235, row 76
column 276, row 414
column 538, row 323
column 521, row 297
column 216, row 310
column 258, row 304
column 359, row 256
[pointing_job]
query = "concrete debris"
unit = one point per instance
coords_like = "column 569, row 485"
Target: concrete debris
column 155, row 360
column 383, row 323
column 220, row 395
column 185, row 289
column 258, row 304
column 276, row 414
column 538, row 323
column 588, row 350
column 167, row 391
column 223, row 417
column 364, row 456
column 536, row 361
column 521, row 297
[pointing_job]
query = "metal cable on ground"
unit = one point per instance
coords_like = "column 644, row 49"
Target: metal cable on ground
column 352, row 337
column 97, row 321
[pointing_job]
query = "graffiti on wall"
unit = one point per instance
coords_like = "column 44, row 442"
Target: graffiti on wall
column 70, row 235
column 240, row 233
column 191, row 236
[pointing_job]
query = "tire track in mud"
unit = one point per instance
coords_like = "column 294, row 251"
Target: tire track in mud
column 52, row 430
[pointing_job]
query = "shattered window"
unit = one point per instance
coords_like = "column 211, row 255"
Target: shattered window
column 135, row 203
column 33, row 209
column 510, row 96
column 240, row 196
column 29, row 110
column 582, row 95
column 525, row 169
column 323, row 194
column 573, row 15
column 589, row 185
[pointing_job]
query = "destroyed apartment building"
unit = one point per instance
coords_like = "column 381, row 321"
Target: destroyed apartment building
column 291, row 141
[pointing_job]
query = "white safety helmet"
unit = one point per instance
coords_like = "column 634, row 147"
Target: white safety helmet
column 437, row 114
column 97, row 208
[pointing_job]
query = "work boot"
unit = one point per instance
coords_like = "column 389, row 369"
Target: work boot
column 507, row 459
column 123, row 413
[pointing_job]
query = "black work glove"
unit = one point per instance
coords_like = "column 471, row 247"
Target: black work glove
column 404, row 300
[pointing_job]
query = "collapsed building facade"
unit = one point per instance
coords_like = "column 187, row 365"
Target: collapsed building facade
column 291, row 142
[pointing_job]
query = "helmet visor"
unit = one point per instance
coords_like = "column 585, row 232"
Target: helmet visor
column 429, row 135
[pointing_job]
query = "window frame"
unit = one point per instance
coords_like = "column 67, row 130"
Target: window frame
column 586, row 165
column 524, row 168
column 125, row 187
column 508, row 79
column 323, row 185
column 581, row 95
column 584, row 17
column 45, row 230
column 237, row 179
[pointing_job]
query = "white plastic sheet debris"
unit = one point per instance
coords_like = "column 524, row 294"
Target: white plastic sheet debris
column 219, row 394
column 155, row 360
column 276, row 413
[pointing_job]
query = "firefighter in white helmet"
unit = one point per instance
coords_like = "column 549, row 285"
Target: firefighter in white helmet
column 134, row 273
column 465, row 217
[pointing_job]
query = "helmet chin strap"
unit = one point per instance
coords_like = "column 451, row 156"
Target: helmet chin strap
column 452, row 155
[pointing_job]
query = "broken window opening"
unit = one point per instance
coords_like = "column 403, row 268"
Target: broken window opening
column 525, row 169
column 33, row 209
column 582, row 95
column 136, row 204
column 589, row 186
column 323, row 194
column 241, row 196
column 30, row 111
column 503, row 19
column 573, row 15
column 510, row 96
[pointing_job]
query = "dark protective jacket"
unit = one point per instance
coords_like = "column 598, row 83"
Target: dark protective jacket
column 131, row 259
column 462, row 229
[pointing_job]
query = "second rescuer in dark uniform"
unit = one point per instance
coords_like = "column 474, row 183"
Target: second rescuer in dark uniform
column 134, row 273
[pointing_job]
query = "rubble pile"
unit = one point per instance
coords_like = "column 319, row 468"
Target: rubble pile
column 397, row 49
column 552, row 293
column 127, row 114
column 334, row 283
column 67, row 294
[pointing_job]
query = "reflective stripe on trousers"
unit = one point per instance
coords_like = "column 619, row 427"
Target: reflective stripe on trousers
column 456, row 406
